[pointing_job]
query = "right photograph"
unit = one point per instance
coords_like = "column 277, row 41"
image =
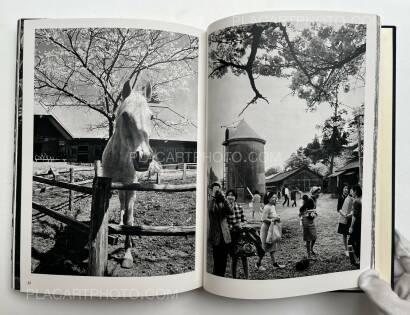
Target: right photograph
column 285, row 144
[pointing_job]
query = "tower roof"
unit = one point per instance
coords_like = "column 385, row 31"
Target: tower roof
column 243, row 132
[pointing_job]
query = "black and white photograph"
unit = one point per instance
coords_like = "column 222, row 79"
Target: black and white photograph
column 202, row 157
column 114, row 152
column 285, row 142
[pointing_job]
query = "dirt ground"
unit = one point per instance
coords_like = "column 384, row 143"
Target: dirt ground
column 56, row 249
column 329, row 245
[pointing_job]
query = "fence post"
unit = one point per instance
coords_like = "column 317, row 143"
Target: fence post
column 158, row 178
column 98, row 168
column 184, row 172
column 98, row 238
column 70, row 192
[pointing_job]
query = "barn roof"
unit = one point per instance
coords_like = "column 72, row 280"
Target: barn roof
column 349, row 165
column 243, row 132
column 278, row 177
column 352, row 165
column 82, row 122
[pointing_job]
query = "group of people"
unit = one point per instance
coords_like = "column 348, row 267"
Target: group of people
column 289, row 195
column 229, row 235
column 349, row 207
column 225, row 223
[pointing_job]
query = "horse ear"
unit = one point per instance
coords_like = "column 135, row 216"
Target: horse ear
column 126, row 90
column 148, row 91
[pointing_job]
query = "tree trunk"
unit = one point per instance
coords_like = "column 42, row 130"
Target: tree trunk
column 110, row 127
column 334, row 135
column 332, row 161
column 359, row 150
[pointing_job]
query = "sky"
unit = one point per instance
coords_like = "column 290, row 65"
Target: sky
column 182, row 98
column 284, row 123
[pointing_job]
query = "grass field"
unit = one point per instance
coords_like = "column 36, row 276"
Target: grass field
column 329, row 245
column 56, row 249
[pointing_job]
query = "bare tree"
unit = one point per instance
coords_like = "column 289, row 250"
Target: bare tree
column 88, row 66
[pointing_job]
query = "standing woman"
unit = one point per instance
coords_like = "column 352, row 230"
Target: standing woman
column 356, row 225
column 269, row 216
column 308, row 215
column 344, row 208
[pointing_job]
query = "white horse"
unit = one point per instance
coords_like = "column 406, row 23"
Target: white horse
column 129, row 140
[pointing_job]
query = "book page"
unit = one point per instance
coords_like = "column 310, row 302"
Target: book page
column 291, row 131
column 384, row 227
column 128, row 94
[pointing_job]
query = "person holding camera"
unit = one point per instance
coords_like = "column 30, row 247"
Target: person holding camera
column 219, row 233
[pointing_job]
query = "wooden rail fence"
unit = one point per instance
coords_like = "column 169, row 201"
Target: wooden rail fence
column 98, row 229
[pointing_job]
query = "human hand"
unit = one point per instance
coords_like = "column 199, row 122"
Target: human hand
column 350, row 230
column 380, row 292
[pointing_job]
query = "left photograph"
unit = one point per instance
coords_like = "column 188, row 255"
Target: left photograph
column 114, row 152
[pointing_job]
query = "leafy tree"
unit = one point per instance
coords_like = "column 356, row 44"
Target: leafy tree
column 334, row 137
column 318, row 59
column 272, row 170
column 353, row 124
column 320, row 168
column 296, row 160
column 328, row 59
column 313, row 150
column 88, row 66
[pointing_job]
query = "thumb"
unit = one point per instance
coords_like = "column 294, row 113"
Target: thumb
column 382, row 295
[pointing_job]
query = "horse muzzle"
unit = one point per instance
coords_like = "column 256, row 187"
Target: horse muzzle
column 141, row 162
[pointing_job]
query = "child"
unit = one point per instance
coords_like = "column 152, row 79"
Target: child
column 308, row 215
column 256, row 204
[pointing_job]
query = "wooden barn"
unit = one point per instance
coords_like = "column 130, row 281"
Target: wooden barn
column 348, row 174
column 71, row 133
column 301, row 178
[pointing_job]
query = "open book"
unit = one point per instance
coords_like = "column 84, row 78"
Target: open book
column 253, row 159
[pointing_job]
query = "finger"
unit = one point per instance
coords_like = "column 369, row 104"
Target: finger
column 381, row 294
column 398, row 269
column 402, row 287
column 402, row 251
column 402, row 245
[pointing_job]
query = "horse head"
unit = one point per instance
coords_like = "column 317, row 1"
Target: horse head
column 134, row 124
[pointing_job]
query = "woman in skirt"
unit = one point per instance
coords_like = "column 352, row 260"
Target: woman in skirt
column 308, row 215
column 344, row 208
column 269, row 216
